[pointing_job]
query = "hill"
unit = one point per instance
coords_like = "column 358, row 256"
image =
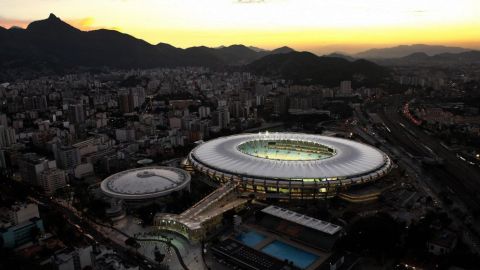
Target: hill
column 55, row 45
column 307, row 68
column 341, row 55
column 405, row 50
column 283, row 49
column 444, row 59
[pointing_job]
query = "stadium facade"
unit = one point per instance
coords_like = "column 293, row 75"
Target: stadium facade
column 289, row 165
column 140, row 186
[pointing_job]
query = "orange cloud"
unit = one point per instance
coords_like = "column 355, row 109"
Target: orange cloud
column 7, row 23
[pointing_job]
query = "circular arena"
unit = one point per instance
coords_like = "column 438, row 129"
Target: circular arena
column 146, row 183
column 290, row 165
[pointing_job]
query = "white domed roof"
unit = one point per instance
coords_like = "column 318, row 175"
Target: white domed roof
column 144, row 183
column 348, row 158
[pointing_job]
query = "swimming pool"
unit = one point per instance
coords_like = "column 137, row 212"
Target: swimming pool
column 282, row 251
column 250, row 238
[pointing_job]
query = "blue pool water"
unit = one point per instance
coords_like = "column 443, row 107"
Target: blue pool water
column 282, row 251
column 250, row 238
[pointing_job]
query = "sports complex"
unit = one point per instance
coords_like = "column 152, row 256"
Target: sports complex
column 289, row 165
column 143, row 185
column 284, row 166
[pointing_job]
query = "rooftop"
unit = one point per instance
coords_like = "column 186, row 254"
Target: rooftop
column 145, row 183
column 308, row 157
column 300, row 219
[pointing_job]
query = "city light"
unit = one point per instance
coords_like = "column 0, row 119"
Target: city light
column 239, row 134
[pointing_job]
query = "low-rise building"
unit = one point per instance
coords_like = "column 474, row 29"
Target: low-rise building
column 442, row 242
column 19, row 225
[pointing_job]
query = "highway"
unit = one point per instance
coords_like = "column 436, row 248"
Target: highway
column 459, row 177
column 87, row 229
column 392, row 136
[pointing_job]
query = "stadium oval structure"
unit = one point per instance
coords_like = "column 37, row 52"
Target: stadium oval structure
column 145, row 183
column 290, row 165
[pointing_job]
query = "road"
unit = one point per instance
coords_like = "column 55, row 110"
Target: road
column 87, row 229
column 406, row 147
column 459, row 177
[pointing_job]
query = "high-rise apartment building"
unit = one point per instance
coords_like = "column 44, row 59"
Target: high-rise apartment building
column 7, row 136
column 76, row 113
column 31, row 165
column 52, row 179
column 223, row 117
column 67, row 157
column 204, row 111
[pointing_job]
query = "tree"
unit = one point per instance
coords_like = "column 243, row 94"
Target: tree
column 97, row 207
column 349, row 215
column 147, row 213
column 35, row 233
column 158, row 255
column 374, row 235
column 132, row 242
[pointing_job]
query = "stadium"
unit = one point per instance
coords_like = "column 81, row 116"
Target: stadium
column 144, row 185
column 289, row 165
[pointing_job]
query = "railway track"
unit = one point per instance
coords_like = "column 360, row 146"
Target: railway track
column 457, row 178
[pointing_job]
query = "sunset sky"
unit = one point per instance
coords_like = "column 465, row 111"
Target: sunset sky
column 315, row 25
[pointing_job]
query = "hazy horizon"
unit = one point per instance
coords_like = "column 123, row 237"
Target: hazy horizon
column 306, row 25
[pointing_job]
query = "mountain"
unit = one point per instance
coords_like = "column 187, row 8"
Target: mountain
column 283, row 49
column 55, row 45
column 166, row 46
column 241, row 55
column 419, row 56
column 307, row 68
column 443, row 59
column 341, row 55
column 405, row 50
column 253, row 48
column 52, row 24
column 237, row 54
column 3, row 32
column 52, row 43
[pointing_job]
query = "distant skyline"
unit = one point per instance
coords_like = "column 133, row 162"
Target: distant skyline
column 319, row 26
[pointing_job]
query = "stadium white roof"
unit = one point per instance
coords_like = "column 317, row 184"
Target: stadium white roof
column 351, row 159
column 306, row 221
column 145, row 183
